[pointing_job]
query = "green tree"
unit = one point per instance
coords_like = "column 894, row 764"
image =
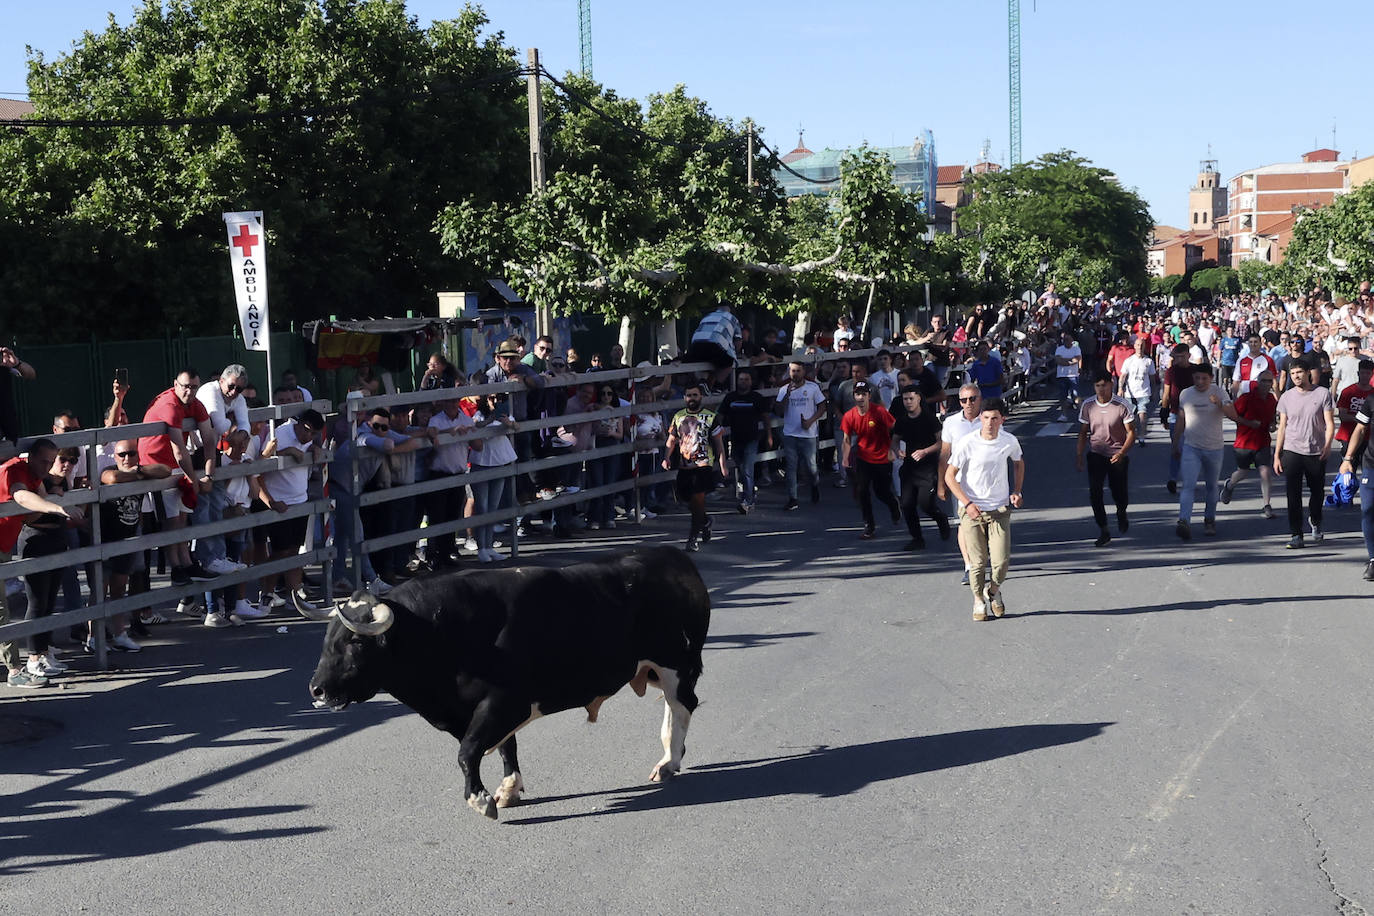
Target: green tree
column 1332, row 247
column 1055, row 208
column 1171, row 285
column 1214, row 281
column 648, row 214
column 123, row 226
column 1254, row 275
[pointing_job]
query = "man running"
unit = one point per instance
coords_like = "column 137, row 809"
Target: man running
column 801, row 404
column 1255, row 413
column 1106, row 433
column 695, row 437
column 1068, row 360
column 1301, row 446
column 1136, row 385
column 977, row 476
column 919, row 434
column 867, row 450
column 956, row 426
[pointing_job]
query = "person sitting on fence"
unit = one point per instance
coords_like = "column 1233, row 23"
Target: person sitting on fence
column 716, row 341
column 21, row 480
column 283, row 489
column 172, row 407
column 121, row 519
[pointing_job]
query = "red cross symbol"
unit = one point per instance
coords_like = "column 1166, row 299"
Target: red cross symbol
column 245, row 240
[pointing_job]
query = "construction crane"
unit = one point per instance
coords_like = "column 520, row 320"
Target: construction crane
column 1013, row 75
column 584, row 28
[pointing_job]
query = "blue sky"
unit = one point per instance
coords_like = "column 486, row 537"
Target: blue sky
column 1139, row 88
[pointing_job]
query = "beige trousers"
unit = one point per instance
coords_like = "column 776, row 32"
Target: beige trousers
column 986, row 537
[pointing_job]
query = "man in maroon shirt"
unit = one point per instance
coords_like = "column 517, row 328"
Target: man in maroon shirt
column 1252, row 446
column 173, row 406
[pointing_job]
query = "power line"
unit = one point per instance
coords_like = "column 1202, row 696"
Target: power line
column 789, row 168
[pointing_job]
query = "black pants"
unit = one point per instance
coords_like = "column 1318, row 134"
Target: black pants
column 1100, row 469
column 918, row 495
column 445, row 506
column 42, row 588
column 869, row 478
column 1297, row 469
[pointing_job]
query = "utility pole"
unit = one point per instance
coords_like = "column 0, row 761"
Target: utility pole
column 543, row 319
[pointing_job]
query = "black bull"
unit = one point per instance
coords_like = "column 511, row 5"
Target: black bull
column 481, row 653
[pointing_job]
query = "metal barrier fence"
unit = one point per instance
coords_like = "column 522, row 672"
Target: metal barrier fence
column 100, row 550
column 93, row 439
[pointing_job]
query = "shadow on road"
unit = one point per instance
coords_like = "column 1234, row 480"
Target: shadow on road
column 1201, row 605
column 752, row 640
column 828, row 772
column 86, row 798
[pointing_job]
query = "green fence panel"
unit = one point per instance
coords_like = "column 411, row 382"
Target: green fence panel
column 150, row 373
column 66, row 374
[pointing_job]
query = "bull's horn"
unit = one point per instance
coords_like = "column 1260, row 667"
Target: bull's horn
column 381, row 620
column 311, row 612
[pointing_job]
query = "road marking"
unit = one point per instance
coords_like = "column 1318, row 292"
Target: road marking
column 223, row 676
column 1057, row 428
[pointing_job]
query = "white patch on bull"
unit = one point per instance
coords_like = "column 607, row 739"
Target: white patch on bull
column 676, row 718
column 508, row 793
column 483, row 804
column 534, row 714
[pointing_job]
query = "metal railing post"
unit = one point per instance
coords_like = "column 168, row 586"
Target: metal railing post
column 96, row 627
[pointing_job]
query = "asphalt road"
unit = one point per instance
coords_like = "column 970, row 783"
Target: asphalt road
column 1157, row 727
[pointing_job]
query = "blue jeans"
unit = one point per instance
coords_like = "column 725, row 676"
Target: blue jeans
column 1195, row 462
column 348, row 532
column 600, row 472
column 746, row 457
column 795, row 451
column 209, row 508
column 487, row 497
column 1367, row 512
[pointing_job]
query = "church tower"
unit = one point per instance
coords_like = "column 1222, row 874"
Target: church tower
column 1206, row 199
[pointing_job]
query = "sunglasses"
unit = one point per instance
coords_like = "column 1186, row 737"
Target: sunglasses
column 126, row 454
column 380, row 427
column 235, row 389
column 969, row 400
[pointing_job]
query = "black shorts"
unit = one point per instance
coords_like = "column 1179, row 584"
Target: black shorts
column 125, row 564
column 691, row 481
column 287, row 534
column 1250, row 459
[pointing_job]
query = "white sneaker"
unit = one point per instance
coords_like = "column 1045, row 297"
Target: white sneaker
column 377, row 588
column 469, row 546
column 271, row 601
column 302, row 602
column 124, row 643
column 248, row 610
column 646, row 514
column 190, row 606
column 1317, row 536
column 218, row 621
column 221, row 566
column 53, row 665
column 38, row 667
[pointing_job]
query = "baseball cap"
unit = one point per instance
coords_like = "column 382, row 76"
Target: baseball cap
column 860, row 386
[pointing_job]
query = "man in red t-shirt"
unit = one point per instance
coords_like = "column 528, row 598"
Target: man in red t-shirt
column 867, row 450
column 1255, row 412
column 173, row 406
column 21, row 482
column 1350, row 402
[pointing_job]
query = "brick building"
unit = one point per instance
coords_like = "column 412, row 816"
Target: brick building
column 1264, row 203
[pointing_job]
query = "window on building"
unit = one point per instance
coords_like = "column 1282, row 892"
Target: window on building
column 1204, row 216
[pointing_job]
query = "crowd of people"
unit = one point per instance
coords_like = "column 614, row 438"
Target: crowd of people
column 914, row 423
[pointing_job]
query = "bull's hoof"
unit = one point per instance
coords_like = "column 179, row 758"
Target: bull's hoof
column 663, row 771
column 483, row 804
column 508, row 793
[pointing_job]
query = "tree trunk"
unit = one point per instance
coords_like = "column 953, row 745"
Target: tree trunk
column 801, row 329
column 627, row 339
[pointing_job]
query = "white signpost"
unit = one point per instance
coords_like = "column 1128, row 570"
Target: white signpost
column 248, row 269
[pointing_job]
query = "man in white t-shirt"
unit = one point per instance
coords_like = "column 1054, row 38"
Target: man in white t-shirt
column 1136, row 387
column 883, row 380
column 977, row 476
column 450, row 459
column 1068, row 360
column 955, row 427
column 288, row 487
column 801, row 404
